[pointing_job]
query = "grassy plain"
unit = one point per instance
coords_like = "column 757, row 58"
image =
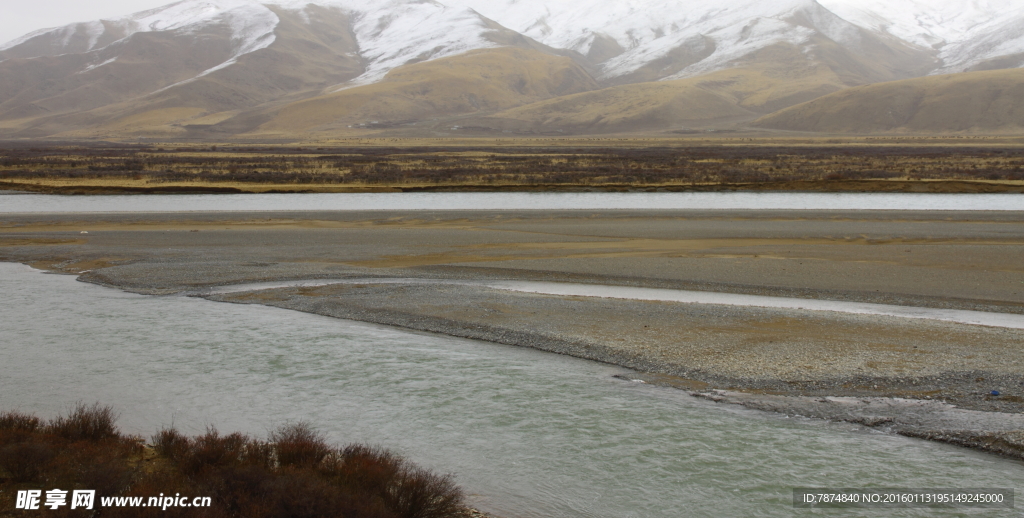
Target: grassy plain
column 694, row 163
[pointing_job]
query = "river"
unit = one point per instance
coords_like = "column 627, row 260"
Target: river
column 35, row 203
column 528, row 434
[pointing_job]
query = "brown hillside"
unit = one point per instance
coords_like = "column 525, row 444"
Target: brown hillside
column 989, row 101
column 761, row 83
column 477, row 82
column 657, row 105
column 61, row 95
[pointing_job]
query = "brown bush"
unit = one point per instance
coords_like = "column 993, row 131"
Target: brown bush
column 213, row 451
column 405, row 489
column 26, row 461
column 296, row 474
column 170, row 443
column 85, row 423
column 16, row 421
column 300, row 445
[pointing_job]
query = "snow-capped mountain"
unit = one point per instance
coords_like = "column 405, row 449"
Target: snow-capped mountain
column 965, row 33
column 620, row 36
column 630, row 34
column 226, row 57
column 389, row 34
column 392, row 33
column 252, row 28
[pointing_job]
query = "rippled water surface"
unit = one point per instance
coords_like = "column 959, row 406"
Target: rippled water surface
column 509, row 201
column 529, row 434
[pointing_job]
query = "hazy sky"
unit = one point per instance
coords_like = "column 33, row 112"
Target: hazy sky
column 18, row 17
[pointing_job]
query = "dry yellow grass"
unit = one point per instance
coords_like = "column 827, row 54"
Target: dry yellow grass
column 524, row 90
column 722, row 98
column 622, row 108
column 990, row 101
column 386, row 165
column 165, row 121
column 745, row 139
column 480, row 81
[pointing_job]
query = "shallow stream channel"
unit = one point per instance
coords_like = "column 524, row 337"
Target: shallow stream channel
column 528, row 434
column 14, row 202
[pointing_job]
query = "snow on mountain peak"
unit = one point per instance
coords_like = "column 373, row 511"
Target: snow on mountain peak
column 648, row 30
column 963, row 32
column 392, row 34
column 249, row 21
column 621, row 36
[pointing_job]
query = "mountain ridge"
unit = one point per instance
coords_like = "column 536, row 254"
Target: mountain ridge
column 976, row 102
column 236, row 65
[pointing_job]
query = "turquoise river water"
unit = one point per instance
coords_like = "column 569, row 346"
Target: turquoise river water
column 528, row 434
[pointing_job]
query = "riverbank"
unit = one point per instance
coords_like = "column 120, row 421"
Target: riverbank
column 910, row 377
column 127, row 186
column 527, row 433
column 791, row 361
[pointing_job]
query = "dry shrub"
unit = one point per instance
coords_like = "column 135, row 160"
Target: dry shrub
column 24, row 457
column 212, row 451
column 170, row 443
column 294, row 474
column 418, row 493
column 107, row 466
column 299, row 445
column 82, row 449
column 305, row 494
column 85, row 423
column 26, row 461
column 18, row 422
column 297, row 474
column 405, row 489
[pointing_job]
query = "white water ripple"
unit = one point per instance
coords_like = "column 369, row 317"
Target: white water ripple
column 960, row 316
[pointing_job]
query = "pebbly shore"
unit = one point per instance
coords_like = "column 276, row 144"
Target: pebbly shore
column 920, row 378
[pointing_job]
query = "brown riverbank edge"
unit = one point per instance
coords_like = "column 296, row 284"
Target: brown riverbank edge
column 920, row 378
column 913, row 186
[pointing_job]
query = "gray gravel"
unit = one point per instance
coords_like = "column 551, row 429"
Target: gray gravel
column 937, row 402
column 773, row 359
